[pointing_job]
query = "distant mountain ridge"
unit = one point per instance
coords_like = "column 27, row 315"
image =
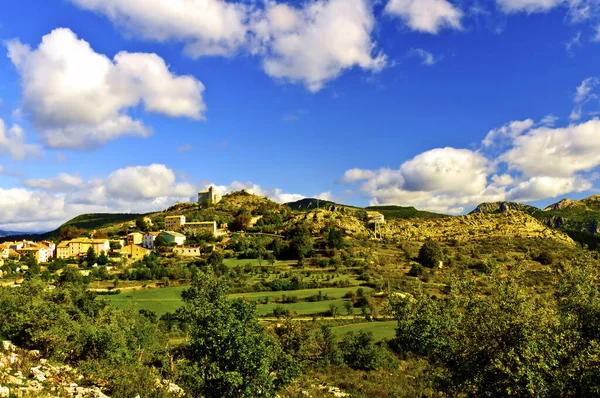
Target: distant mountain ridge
column 501, row 207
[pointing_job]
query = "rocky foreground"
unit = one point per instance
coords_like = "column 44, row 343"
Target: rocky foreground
column 24, row 373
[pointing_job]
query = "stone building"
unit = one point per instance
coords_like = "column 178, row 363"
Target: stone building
column 209, row 197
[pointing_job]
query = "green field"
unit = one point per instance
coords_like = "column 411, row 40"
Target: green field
column 303, row 308
column 381, row 330
column 168, row 299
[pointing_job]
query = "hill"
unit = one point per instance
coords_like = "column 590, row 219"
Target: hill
column 501, row 207
column 401, row 212
column 312, row 204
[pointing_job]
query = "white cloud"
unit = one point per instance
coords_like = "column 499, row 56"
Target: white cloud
column 316, row 43
column 207, row 27
column 427, row 58
column 184, row 148
column 79, row 98
column 549, row 120
column 145, row 182
column 508, row 132
column 575, row 41
column 556, row 152
column 61, row 183
column 537, row 188
column 309, row 44
column 353, row 175
column 529, row 6
column 584, row 94
column 597, row 34
column 426, row 15
column 45, row 203
column 13, row 143
column 443, row 179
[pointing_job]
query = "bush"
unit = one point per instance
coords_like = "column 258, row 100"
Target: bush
column 416, row 270
column 360, row 351
column 545, row 258
column 430, row 254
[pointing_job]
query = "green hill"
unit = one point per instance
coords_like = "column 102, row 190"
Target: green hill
column 501, row 207
column 402, row 212
column 311, row 204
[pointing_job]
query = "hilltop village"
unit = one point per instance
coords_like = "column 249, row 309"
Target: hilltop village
column 329, row 299
column 133, row 246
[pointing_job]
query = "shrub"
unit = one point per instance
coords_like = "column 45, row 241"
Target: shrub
column 416, row 270
column 430, row 254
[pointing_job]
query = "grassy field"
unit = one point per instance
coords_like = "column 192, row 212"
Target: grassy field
column 168, row 299
column 381, row 330
column 303, row 308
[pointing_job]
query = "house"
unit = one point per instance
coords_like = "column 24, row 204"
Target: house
column 80, row 246
column 375, row 217
column 4, row 251
column 148, row 241
column 173, row 237
column 32, row 250
column 173, row 223
column 134, row 252
column 135, row 238
column 190, row 251
column 50, row 247
column 62, row 250
column 209, row 197
column 205, row 226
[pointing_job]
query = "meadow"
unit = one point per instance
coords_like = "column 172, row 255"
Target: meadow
column 168, row 299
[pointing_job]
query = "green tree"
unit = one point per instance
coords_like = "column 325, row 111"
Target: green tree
column 335, row 238
column 430, row 254
column 102, row 258
column 301, row 242
column 90, row 256
column 230, row 353
column 360, row 351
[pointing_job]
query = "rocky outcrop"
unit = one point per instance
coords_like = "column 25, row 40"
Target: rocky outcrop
column 512, row 224
column 501, row 207
column 24, row 374
column 591, row 203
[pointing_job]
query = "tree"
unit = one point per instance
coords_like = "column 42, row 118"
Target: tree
column 301, row 243
column 70, row 232
column 160, row 241
column 360, row 352
column 115, row 245
column 430, row 254
column 241, row 222
column 90, row 256
column 335, row 238
column 141, row 225
column 102, row 258
column 230, row 353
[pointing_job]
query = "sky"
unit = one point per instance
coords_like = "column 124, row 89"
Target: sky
column 132, row 106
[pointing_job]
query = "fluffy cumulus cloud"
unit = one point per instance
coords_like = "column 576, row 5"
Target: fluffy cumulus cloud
column 309, row 43
column 315, row 43
column 78, row 98
column 146, row 182
column 536, row 161
column 543, row 187
column 443, row 179
column 428, row 16
column 556, row 152
column 508, row 132
column 13, row 143
column 42, row 204
column 207, row 27
column 45, row 203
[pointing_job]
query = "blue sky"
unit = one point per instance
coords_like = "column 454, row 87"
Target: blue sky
column 132, row 106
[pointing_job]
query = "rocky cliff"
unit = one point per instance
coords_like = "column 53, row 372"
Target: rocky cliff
column 511, row 224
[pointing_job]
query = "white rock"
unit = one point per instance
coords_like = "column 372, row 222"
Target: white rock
column 4, row 392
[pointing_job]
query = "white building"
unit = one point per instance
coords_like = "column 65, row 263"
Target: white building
column 149, row 238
